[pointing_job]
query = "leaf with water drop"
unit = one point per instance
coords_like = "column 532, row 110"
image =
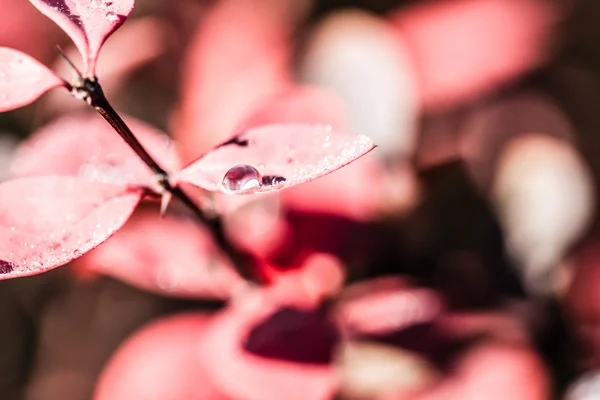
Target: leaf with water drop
column 273, row 157
column 46, row 222
column 85, row 145
column 170, row 256
column 23, row 79
column 88, row 22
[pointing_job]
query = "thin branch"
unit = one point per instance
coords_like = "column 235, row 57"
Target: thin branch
column 104, row 108
column 91, row 91
column 68, row 60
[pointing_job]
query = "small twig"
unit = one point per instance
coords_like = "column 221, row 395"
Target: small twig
column 91, row 92
column 68, row 61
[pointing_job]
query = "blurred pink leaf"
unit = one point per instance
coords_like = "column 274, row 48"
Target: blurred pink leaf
column 24, row 28
column 85, row 145
column 46, row 222
column 159, row 362
column 23, row 79
column 274, row 157
column 87, row 22
column 500, row 370
column 298, row 104
column 171, row 256
column 387, row 304
column 240, row 53
column 245, row 375
column 463, row 49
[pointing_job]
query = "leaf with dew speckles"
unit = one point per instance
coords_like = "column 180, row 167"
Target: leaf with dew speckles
column 46, row 222
column 88, row 22
column 274, row 157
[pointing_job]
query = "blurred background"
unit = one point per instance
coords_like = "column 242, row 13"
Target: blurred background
column 468, row 241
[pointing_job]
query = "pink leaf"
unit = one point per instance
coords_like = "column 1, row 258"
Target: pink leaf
column 46, row 222
column 274, row 157
column 245, row 375
column 298, row 104
column 86, row 146
column 467, row 48
column 158, row 362
column 23, row 79
column 87, row 22
column 240, row 53
column 171, row 256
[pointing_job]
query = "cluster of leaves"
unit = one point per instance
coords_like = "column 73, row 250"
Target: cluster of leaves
column 47, row 221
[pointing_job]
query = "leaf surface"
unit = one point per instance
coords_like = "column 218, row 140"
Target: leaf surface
column 88, row 22
column 23, row 79
column 241, row 374
column 170, row 256
column 46, row 222
column 85, row 145
column 274, row 157
column 240, row 53
column 298, row 104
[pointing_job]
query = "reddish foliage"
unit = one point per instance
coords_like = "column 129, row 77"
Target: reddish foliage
column 23, row 79
column 88, row 22
column 48, row 221
column 275, row 157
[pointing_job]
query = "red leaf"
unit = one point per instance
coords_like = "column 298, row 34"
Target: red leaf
column 46, row 222
column 244, row 375
column 169, row 256
column 87, row 22
column 86, row 146
column 23, row 79
column 274, row 157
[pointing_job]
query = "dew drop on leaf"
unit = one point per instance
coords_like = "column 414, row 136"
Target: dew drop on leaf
column 6, row 267
column 241, row 178
column 112, row 17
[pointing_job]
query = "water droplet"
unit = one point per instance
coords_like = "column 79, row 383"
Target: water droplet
column 6, row 267
column 35, row 265
column 271, row 180
column 99, row 3
column 241, row 178
column 112, row 17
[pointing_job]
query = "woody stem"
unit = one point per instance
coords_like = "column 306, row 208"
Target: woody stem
column 90, row 90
